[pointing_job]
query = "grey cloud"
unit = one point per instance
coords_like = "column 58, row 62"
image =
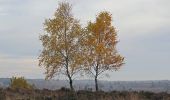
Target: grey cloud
column 127, row 15
column 23, row 66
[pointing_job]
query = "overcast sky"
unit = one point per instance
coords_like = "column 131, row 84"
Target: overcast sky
column 143, row 30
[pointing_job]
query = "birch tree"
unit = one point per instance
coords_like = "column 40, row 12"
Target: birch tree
column 100, row 47
column 61, row 52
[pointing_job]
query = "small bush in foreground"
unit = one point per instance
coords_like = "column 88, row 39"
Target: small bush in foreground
column 20, row 83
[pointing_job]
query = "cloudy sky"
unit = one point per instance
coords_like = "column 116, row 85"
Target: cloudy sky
column 143, row 30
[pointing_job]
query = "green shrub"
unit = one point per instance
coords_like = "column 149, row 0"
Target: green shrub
column 20, row 83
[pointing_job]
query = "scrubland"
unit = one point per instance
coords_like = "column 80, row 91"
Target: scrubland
column 66, row 94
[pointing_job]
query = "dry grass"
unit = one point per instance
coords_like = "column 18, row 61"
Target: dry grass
column 130, row 96
column 65, row 94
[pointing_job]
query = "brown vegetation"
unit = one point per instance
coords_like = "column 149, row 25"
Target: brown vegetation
column 66, row 94
column 19, row 82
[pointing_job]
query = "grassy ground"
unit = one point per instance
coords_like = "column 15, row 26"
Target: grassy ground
column 65, row 94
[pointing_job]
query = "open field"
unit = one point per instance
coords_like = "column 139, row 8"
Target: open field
column 66, row 94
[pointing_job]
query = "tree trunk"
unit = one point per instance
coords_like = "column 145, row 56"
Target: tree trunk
column 71, row 84
column 96, row 83
column 70, row 78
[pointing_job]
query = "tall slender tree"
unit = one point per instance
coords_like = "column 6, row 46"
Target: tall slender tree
column 100, row 47
column 61, row 52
